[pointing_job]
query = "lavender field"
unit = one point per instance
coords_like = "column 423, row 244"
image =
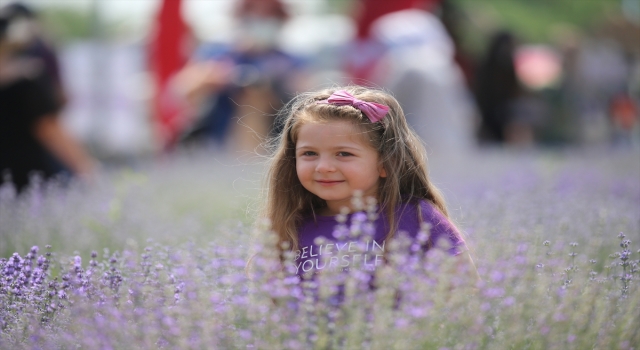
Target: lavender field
column 155, row 257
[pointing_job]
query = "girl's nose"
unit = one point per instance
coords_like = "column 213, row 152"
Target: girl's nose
column 325, row 165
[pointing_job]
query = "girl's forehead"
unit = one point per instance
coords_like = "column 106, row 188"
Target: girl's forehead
column 332, row 131
column 335, row 121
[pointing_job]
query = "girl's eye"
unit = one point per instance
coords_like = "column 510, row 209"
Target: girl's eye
column 308, row 153
column 344, row 154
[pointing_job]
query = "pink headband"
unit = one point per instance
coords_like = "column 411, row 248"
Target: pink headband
column 374, row 111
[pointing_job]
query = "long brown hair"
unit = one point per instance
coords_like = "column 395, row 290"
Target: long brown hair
column 400, row 151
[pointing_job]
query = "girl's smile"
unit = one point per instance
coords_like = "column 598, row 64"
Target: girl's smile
column 329, row 182
column 335, row 159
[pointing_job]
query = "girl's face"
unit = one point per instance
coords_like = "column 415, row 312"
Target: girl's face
column 333, row 160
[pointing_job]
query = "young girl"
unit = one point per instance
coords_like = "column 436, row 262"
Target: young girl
column 342, row 141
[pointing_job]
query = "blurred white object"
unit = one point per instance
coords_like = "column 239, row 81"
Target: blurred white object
column 420, row 71
column 305, row 35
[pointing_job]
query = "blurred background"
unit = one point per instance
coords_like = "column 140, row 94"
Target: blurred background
column 86, row 84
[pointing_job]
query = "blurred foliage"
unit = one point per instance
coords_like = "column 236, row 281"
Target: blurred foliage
column 66, row 23
column 339, row 6
column 531, row 20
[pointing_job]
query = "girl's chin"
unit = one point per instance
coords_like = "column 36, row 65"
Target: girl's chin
column 334, row 208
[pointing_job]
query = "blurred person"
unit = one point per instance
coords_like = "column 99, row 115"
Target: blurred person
column 169, row 50
column 596, row 104
column 624, row 114
column 362, row 55
column 38, row 46
column 32, row 138
column 603, row 70
column 236, row 89
column 360, row 63
column 453, row 18
column 496, row 89
column 414, row 58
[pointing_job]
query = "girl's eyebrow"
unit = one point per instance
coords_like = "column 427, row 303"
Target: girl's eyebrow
column 332, row 148
column 346, row 147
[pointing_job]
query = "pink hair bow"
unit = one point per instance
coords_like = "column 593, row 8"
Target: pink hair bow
column 374, row 111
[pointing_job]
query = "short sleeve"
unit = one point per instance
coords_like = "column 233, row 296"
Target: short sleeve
column 35, row 98
column 443, row 233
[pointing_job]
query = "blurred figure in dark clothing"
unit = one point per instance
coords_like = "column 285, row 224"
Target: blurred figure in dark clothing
column 32, row 139
column 37, row 46
column 496, row 88
column 453, row 19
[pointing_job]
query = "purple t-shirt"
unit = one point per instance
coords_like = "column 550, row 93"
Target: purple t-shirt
column 326, row 245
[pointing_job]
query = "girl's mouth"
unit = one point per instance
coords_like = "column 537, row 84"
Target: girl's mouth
column 329, row 182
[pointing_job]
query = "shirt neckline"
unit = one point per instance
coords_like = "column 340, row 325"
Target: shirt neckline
column 325, row 218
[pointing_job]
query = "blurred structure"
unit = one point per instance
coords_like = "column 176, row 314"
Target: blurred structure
column 599, row 86
column 403, row 47
column 168, row 53
column 236, row 89
column 32, row 139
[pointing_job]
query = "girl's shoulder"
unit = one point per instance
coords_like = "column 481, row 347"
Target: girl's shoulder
column 421, row 210
column 414, row 213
